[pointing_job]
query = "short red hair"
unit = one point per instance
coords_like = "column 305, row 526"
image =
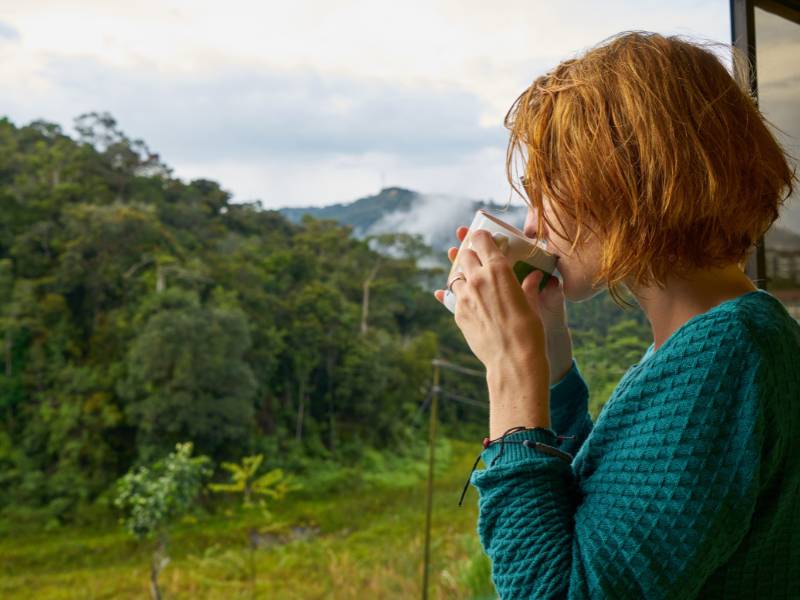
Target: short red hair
column 650, row 143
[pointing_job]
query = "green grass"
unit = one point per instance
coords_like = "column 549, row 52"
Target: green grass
column 370, row 544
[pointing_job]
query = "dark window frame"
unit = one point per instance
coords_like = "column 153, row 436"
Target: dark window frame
column 743, row 37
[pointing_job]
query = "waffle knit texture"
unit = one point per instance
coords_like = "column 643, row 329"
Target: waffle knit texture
column 687, row 485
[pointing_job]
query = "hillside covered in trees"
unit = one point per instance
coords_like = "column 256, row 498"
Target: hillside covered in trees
column 138, row 310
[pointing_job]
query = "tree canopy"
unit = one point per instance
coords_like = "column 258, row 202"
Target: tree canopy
column 138, row 310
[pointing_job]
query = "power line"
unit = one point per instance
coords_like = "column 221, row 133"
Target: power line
column 448, row 365
column 421, row 408
column 454, row 367
column 465, row 400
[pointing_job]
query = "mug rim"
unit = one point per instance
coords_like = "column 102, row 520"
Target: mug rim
column 514, row 230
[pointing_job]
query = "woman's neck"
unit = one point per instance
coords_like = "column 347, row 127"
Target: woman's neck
column 682, row 298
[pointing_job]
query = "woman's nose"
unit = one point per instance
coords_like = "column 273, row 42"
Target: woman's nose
column 530, row 225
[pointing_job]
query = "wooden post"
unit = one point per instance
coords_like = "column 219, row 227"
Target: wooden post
column 431, row 447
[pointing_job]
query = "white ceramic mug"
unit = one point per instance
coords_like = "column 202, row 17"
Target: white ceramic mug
column 524, row 254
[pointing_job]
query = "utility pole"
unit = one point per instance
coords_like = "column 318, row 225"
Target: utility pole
column 431, row 446
column 437, row 362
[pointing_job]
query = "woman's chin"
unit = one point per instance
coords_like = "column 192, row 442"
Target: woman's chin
column 577, row 293
column 570, row 295
column 566, row 286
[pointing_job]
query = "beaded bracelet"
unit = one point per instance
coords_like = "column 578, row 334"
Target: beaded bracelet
column 565, row 456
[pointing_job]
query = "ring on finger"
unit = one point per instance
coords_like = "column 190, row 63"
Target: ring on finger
column 456, row 277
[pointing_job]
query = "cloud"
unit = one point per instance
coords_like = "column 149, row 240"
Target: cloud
column 310, row 102
column 436, row 216
column 317, row 181
column 431, row 215
column 8, row 33
column 285, row 137
column 244, row 114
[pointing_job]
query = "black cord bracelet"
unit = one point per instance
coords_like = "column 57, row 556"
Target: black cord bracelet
column 565, row 456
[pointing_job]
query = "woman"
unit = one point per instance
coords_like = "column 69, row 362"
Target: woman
column 688, row 483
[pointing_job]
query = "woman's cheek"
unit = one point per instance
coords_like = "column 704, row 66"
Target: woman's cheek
column 563, row 273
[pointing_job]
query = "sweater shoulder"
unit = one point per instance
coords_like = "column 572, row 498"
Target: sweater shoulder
column 716, row 354
column 755, row 337
column 735, row 369
column 774, row 338
column 769, row 326
column 741, row 332
column 745, row 351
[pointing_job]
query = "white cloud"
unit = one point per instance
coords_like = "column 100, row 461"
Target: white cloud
column 238, row 114
column 323, row 180
column 430, row 81
column 8, row 33
column 436, row 216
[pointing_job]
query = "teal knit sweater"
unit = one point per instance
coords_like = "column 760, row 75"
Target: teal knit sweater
column 686, row 486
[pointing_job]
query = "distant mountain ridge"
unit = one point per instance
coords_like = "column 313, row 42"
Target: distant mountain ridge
column 361, row 213
column 434, row 216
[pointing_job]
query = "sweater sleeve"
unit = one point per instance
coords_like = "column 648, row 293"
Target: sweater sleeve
column 569, row 409
column 668, row 502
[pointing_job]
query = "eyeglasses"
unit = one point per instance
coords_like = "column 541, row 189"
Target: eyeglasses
column 526, row 186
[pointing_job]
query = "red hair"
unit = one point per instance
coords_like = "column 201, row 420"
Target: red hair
column 649, row 143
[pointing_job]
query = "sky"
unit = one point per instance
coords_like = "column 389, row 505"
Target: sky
column 312, row 103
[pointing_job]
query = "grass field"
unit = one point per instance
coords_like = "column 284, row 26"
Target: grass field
column 367, row 541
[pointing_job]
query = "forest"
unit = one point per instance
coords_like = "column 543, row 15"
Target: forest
column 138, row 311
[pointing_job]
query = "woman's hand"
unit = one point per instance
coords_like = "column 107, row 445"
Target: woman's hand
column 502, row 325
column 552, row 311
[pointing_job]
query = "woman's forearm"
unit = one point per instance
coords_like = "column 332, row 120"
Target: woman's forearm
column 518, row 395
column 559, row 352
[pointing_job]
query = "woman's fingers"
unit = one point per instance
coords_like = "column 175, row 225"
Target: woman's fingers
column 452, row 251
column 469, row 262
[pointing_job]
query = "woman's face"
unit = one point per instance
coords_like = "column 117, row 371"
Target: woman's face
column 576, row 269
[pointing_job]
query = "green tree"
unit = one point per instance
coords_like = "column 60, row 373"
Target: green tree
column 138, row 310
column 153, row 498
column 186, row 376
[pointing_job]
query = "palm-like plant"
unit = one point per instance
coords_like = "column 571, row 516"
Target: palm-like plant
column 246, row 481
